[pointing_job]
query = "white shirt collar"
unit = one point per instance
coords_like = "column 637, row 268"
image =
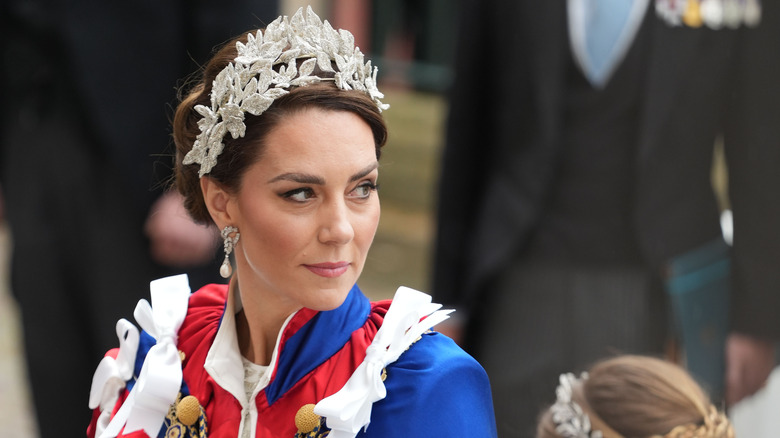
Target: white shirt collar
column 223, row 362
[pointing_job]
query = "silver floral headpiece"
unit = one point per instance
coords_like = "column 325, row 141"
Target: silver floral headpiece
column 570, row 421
column 250, row 84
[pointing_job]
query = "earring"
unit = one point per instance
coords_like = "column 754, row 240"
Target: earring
column 228, row 243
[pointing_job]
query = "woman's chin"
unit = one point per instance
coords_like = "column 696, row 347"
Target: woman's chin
column 329, row 299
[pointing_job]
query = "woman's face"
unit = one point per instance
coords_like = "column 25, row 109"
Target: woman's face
column 307, row 211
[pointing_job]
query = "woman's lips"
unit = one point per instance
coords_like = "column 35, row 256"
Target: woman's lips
column 329, row 270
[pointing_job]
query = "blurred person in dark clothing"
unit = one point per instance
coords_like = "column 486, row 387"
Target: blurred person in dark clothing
column 571, row 186
column 87, row 91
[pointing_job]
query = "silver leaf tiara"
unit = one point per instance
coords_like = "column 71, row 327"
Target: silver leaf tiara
column 570, row 421
column 250, row 84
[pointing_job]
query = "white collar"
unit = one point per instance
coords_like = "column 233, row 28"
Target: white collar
column 223, row 362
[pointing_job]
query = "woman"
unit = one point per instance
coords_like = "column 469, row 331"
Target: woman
column 278, row 146
column 632, row 396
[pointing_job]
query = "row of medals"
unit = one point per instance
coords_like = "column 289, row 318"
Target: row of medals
column 714, row 14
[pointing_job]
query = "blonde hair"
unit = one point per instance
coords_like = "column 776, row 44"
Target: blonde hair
column 643, row 397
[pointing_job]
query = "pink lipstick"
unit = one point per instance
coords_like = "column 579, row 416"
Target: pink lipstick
column 329, row 270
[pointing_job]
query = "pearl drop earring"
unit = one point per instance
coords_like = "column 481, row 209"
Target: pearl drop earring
column 226, row 270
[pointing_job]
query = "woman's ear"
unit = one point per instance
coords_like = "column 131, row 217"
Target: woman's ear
column 217, row 199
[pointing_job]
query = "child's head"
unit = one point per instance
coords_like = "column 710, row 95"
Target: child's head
column 632, row 396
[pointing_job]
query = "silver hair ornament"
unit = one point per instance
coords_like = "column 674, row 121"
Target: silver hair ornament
column 250, row 84
column 570, row 421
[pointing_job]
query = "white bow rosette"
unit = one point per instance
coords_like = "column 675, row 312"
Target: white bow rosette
column 349, row 410
column 159, row 381
column 111, row 374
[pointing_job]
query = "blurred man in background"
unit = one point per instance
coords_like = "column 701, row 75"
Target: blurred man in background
column 576, row 181
column 87, row 91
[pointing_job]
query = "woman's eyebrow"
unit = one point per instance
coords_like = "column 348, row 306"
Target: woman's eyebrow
column 305, row 178
column 365, row 171
column 302, row 178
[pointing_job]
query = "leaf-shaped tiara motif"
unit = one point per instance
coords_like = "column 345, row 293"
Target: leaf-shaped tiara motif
column 250, row 84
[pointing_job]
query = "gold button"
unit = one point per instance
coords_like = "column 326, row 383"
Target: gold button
column 306, row 420
column 188, row 410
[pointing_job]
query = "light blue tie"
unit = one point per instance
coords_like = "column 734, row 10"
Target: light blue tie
column 601, row 32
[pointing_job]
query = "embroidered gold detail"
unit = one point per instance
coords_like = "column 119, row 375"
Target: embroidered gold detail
column 176, row 431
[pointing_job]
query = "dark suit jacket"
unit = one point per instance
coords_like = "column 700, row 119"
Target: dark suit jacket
column 504, row 133
column 88, row 90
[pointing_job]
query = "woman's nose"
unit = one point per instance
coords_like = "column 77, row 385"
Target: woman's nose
column 336, row 226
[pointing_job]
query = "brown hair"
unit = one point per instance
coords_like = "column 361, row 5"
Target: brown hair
column 643, row 397
column 240, row 153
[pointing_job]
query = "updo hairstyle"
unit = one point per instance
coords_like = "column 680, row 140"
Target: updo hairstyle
column 643, row 397
column 240, row 153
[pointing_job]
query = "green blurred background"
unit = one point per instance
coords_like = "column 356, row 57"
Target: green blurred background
column 401, row 255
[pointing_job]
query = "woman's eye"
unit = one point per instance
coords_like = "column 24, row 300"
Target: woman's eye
column 364, row 190
column 302, row 194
